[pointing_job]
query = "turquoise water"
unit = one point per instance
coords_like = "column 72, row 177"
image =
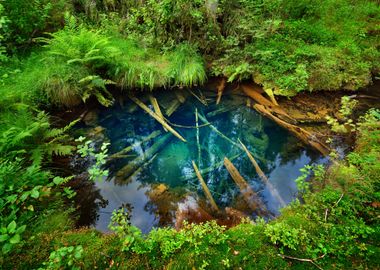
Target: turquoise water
column 277, row 152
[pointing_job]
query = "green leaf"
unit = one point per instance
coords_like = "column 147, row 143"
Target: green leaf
column 15, row 239
column 35, row 193
column 3, row 237
column 58, row 180
column 12, row 227
column 6, row 248
column 21, row 229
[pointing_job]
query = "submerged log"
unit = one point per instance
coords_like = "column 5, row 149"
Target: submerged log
column 181, row 95
column 133, row 165
column 157, row 117
column 135, row 173
column 205, row 188
column 197, row 135
column 220, row 90
column 156, row 108
column 172, row 107
column 222, row 109
column 305, row 136
column 252, row 199
column 205, row 121
column 272, row 190
column 254, row 92
column 209, row 169
column 122, row 153
column 255, row 164
column 200, row 99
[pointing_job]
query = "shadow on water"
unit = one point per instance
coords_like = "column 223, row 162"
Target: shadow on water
column 164, row 179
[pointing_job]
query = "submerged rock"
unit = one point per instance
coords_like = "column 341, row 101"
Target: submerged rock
column 96, row 133
column 91, row 118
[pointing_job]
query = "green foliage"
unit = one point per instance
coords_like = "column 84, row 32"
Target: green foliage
column 87, row 150
column 292, row 46
column 28, row 19
column 347, row 106
column 186, row 67
column 10, row 235
column 318, row 172
column 3, row 25
column 26, row 141
column 64, row 258
column 121, row 225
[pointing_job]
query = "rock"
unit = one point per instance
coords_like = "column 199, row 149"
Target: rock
column 96, row 132
column 91, row 118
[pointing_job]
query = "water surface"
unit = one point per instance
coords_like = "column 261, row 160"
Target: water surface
column 166, row 178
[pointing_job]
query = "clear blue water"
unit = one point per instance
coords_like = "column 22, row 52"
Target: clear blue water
column 279, row 154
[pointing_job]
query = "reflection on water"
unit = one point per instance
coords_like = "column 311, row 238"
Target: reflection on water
column 163, row 176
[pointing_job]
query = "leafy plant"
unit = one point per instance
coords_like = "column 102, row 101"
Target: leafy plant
column 347, row 106
column 64, row 258
column 11, row 235
column 120, row 224
column 87, row 149
column 302, row 182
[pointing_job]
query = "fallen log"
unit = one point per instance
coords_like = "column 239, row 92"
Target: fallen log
column 121, row 154
column 135, row 173
column 156, row 108
column 205, row 121
column 220, row 90
column 205, row 188
column 273, row 191
column 200, row 99
column 254, row 93
column 157, row 117
column 270, row 94
column 180, row 95
column 301, row 133
column 133, row 165
column 208, row 170
column 172, row 107
column 254, row 163
column 251, row 198
column 197, row 135
column 222, row 109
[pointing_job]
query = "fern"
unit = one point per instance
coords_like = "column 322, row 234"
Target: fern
column 33, row 138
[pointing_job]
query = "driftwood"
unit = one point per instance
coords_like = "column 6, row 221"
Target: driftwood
column 205, row 121
column 270, row 94
column 209, row 169
column 248, row 103
column 273, row 191
column 252, row 199
column 156, row 108
column 200, row 99
column 197, row 135
column 122, row 153
column 172, row 107
column 135, row 173
column 133, row 165
column 254, row 163
column 301, row 133
column 222, row 109
column 157, row 117
column 205, row 188
column 220, row 90
column 254, row 92
column 181, row 95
